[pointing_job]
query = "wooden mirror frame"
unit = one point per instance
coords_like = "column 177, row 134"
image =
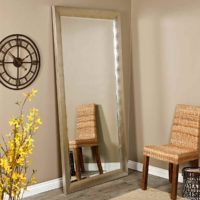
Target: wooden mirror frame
column 57, row 12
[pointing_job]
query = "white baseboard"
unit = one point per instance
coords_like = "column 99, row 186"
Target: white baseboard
column 57, row 183
column 43, row 187
column 163, row 173
column 106, row 166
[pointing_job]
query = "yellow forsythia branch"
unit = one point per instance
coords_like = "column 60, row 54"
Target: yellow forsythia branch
column 15, row 152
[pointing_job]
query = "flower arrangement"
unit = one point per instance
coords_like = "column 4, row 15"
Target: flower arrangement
column 16, row 148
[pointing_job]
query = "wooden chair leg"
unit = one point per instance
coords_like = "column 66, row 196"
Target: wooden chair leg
column 77, row 162
column 170, row 172
column 82, row 168
column 96, row 156
column 195, row 163
column 71, row 159
column 174, row 181
column 145, row 172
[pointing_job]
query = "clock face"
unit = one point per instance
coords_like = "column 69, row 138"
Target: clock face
column 19, row 61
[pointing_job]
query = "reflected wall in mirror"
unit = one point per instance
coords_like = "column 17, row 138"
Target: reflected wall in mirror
column 90, row 96
column 89, row 73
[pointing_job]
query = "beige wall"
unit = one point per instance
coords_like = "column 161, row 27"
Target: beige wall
column 89, row 71
column 165, row 67
column 33, row 18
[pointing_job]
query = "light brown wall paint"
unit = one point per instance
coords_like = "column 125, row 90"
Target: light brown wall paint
column 33, row 18
column 166, row 70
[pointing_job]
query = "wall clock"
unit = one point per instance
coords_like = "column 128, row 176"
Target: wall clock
column 19, row 61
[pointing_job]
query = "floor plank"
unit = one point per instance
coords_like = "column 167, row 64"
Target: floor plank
column 110, row 189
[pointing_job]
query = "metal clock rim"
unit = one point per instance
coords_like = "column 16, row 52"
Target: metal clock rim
column 37, row 54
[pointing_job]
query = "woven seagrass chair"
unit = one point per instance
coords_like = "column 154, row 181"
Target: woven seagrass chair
column 183, row 147
column 86, row 136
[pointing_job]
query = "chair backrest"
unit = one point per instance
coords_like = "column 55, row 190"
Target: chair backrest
column 86, row 122
column 186, row 127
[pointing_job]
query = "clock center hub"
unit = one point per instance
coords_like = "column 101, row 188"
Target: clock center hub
column 17, row 62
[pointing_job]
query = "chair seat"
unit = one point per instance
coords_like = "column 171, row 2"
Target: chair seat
column 171, row 153
column 82, row 143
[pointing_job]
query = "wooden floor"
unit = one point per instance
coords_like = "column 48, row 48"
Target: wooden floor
column 108, row 190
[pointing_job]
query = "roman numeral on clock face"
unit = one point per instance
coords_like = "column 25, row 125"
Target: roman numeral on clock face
column 34, row 62
column 18, row 82
column 19, row 42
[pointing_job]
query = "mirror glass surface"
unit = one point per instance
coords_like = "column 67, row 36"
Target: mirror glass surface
column 89, row 79
column 89, row 73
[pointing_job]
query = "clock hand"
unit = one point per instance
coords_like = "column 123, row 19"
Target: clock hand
column 27, row 56
column 24, row 67
column 15, row 58
column 10, row 54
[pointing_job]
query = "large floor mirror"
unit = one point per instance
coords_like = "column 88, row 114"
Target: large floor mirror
column 89, row 79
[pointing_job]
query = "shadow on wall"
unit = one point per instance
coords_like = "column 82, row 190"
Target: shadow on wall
column 109, row 151
column 148, row 89
column 136, row 122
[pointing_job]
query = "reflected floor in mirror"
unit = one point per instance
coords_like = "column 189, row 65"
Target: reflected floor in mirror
column 85, row 175
column 110, row 189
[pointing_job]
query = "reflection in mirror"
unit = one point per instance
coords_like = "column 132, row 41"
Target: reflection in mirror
column 90, row 96
column 90, row 88
column 86, row 136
